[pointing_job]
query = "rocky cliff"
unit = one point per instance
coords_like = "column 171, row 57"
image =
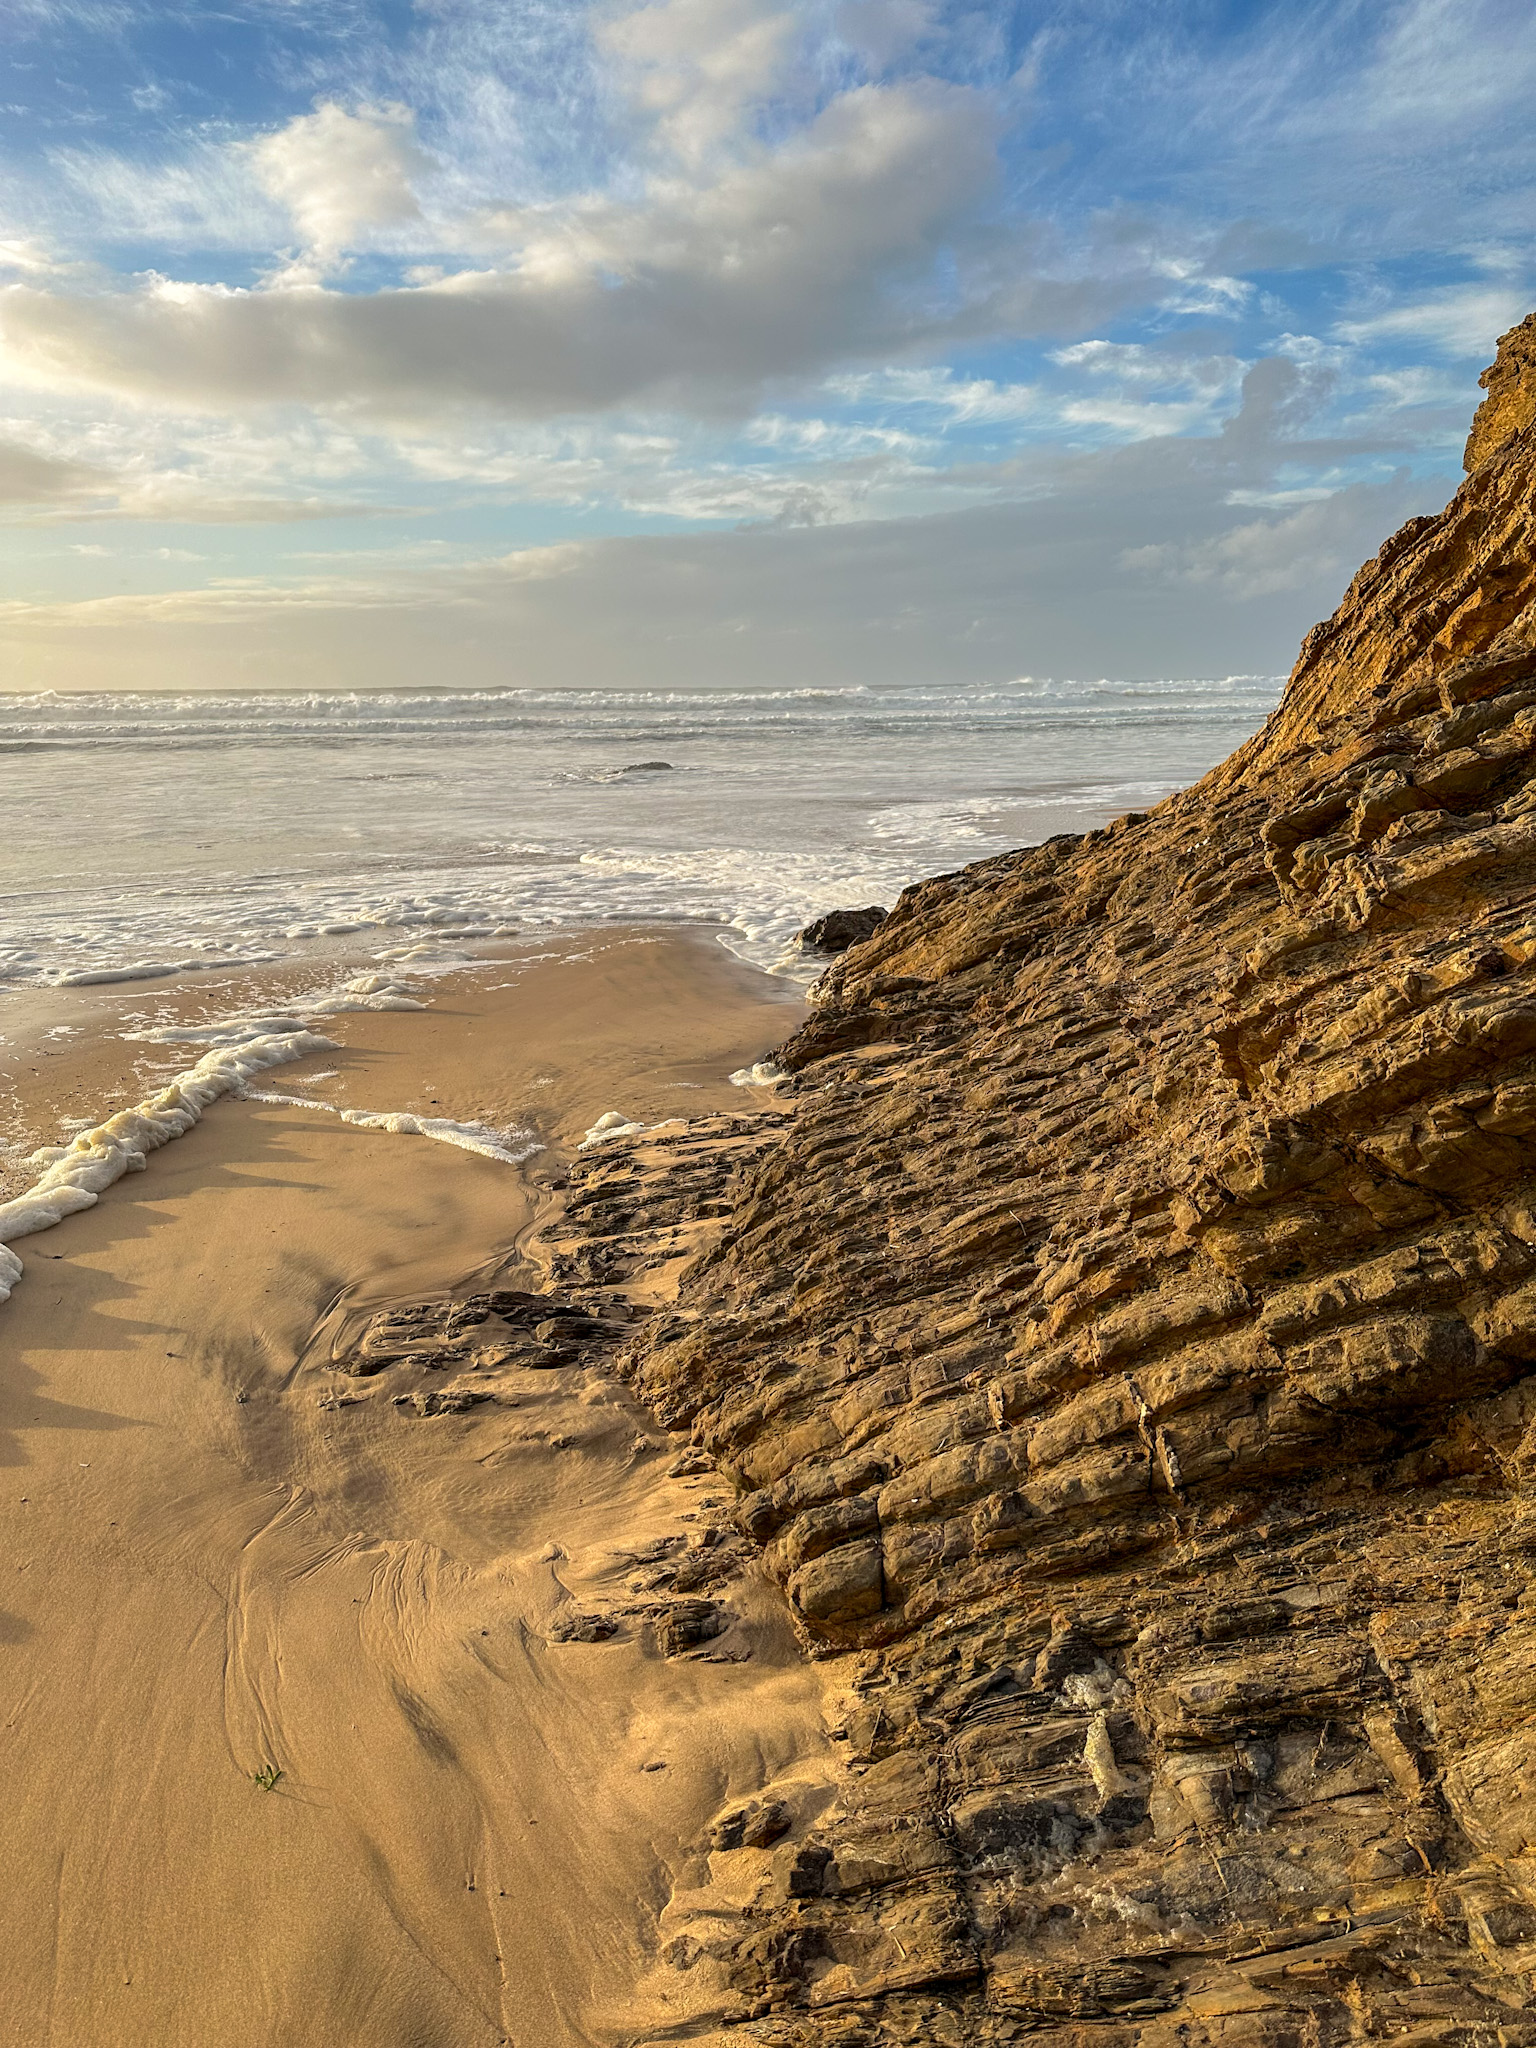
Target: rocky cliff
column 1126, row 1355
column 1510, row 406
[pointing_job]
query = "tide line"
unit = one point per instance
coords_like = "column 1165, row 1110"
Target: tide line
column 468, row 1137
column 75, row 1175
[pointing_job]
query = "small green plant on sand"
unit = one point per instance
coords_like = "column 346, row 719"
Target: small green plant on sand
column 267, row 1776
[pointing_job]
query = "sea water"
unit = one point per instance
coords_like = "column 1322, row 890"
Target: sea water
column 147, row 834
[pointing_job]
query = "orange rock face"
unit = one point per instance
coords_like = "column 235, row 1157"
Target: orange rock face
column 1126, row 1353
column 1510, row 407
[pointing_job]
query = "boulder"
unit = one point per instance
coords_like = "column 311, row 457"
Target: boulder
column 839, row 929
column 841, row 1585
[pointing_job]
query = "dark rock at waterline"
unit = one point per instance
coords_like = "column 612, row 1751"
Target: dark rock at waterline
column 650, row 768
column 839, row 929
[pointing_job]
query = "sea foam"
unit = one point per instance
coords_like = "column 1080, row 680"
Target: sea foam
column 75, row 1175
column 615, row 1123
column 386, row 817
column 238, row 1049
column 143, row 970
column 761, row 1074
column 513, row 1147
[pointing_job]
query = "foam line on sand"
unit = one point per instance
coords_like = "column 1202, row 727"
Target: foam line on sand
column 239, row 1048
column 75, row 1174
column 229, row 1556
column 468, row 1137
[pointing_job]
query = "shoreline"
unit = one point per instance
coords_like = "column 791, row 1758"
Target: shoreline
column 233, row 1558
column 72, row 1057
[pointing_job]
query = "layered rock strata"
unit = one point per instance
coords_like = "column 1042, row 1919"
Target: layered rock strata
column 1125, row 1353
column 1510, row 382
column 1122, row 1345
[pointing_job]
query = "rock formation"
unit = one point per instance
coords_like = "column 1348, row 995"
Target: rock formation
column 840, row 929
column 1126, row 1354
column 1510, row 406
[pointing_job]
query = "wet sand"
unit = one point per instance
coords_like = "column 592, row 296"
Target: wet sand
column 221, row 1560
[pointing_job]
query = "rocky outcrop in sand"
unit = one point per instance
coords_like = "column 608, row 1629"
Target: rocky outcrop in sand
column 1126, row 1353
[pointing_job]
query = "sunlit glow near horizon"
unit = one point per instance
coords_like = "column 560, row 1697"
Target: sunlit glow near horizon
column 506, row 342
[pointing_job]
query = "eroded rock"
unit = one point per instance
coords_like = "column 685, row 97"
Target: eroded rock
column 1121, row 1347
column 840, row 929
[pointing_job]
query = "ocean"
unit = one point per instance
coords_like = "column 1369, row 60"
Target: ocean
column 155, row 834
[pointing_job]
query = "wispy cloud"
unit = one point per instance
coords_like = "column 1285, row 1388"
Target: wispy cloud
column 1202, row 281
column 33, row 479
column 1461, row 320
column 963, row 399
column 1313, row 546
column 796, row 256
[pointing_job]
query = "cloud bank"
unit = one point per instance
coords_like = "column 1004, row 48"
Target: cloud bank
column 1105, row 338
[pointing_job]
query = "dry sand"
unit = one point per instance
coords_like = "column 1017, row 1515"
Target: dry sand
column 215, row 1566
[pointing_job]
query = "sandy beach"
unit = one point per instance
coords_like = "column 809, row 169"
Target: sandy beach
column 225, row 1560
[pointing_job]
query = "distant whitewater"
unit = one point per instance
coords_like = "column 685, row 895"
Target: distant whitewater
column 152, row 834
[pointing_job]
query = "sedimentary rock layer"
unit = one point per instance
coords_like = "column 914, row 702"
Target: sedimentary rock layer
column 1126, row 1354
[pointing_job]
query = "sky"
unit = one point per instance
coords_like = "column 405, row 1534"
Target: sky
column 353, row 343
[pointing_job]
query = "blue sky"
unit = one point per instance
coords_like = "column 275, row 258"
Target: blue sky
column 555, row 342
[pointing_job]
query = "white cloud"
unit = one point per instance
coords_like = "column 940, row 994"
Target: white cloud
column 338, row 173
column 1374, row 130
column 966, row 400
column 1417, row 384
column 1134, row 419
column 203, row 195
column 830, row 437
column 695, row 66
column 1205, row 294
column 1462, row 320
column 1319, row 542
column 1191, row 391
column 27, row 256
column 798, row 255
column 1446, row 61
column 1135, row 363
column 333, row 179
column 93, row 461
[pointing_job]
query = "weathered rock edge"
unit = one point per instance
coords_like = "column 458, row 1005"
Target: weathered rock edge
column 1125, row 1352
